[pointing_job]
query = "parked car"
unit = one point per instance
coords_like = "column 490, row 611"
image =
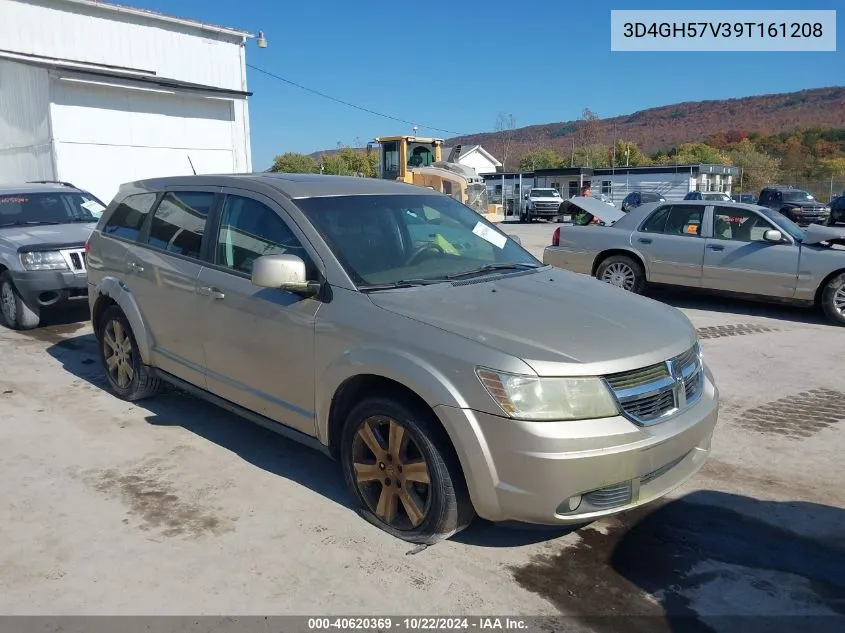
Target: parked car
column 337, row 311
column 43, row 228
column 636, row 198
column 731, row 248
column 796, row 204
column 748, row 198
column 540, row 203
column 716, row 196
column 837, row 210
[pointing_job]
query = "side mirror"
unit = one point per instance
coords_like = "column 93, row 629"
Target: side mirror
column 773, row 236
column 526, row 196
column 283, row 272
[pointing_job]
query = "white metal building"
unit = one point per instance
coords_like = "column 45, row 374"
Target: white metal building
column 99, row 94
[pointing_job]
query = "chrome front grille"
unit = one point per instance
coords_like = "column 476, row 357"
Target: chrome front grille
column 75, row 259
column 651, row 394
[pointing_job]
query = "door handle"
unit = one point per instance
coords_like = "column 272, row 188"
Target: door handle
column 645, row 240
column 208, row 291
column 135, row 267
column 715, row 247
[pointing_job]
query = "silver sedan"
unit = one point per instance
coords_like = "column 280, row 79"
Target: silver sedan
column 728, row 247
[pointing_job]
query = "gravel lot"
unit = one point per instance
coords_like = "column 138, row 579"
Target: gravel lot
column 176, row 507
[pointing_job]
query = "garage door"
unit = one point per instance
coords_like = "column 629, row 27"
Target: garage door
column 106, row 135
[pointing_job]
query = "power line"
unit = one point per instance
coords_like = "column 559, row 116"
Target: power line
column 351, row 105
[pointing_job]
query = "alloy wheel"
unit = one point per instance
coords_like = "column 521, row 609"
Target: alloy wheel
column 619, row 274
column 391, row 473
column 7, row 297
column 117, row 351
column 839, row 300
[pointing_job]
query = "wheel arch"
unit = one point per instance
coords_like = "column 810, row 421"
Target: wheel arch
column 818, row 296
column 111, row 292
column 610, row 252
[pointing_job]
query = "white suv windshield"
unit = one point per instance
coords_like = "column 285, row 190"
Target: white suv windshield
column 544, row 193
column 398, row 239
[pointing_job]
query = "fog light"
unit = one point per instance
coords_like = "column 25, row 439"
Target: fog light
column 570, row 505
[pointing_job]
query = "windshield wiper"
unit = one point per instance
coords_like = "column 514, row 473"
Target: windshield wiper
column 490, row 268
column 29, row 223
column 402, row 283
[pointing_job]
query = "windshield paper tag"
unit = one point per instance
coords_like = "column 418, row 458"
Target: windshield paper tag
column 486, row 233
column 93, row 206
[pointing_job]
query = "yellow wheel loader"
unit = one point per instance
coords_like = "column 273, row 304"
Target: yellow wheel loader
column 419, row 161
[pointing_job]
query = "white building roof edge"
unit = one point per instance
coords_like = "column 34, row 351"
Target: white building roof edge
column 154, row 15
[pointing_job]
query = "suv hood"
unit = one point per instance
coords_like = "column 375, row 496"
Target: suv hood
column 558, row 322
column 15, row 237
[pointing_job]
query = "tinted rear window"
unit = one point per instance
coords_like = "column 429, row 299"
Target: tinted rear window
column 179, row 222
column 129, row 216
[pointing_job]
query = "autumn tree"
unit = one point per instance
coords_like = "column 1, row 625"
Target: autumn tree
column 542, row 158
column 349, row 162
column 594, row 155
column 294, row 163
column 758, row 168
column 505, row 126
column 627, row 154
column 699, row 154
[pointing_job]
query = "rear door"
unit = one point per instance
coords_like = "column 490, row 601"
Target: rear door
column 670, row 240
column 738, row 259
column 162, row 270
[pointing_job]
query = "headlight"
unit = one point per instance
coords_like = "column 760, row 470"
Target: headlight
column 43, row 260
column 533, row 398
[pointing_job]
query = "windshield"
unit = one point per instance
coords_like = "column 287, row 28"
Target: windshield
column 716, row 196
column 783, row 223
column 797, row 196
column 388, row 239
column 20, row 209
column 544, row 193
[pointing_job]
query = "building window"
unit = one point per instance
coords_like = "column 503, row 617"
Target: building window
column 607, row 187
column 573, row 188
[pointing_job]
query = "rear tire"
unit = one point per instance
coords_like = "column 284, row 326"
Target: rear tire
column 380, row 438
column 622, row 271
column 16, row 313
column 833, row 299
column 128, row 377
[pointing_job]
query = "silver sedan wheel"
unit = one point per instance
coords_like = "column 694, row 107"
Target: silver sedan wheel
column 7, row 297
column 619, row 274
column 117, row 350
column 839, row 300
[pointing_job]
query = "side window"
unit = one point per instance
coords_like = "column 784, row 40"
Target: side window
column 738, row 225
column 684, row 220
column 250, row 229
column 129, row 216
column 657, row 221
column 179, row 222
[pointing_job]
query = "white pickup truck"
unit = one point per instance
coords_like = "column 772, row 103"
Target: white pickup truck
column 540, row 203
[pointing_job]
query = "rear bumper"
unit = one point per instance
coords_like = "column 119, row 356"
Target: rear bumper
column 562, row 473
column 42, row 288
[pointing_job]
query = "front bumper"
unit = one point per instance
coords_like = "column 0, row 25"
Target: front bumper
column 42, row 288
column 529, row 471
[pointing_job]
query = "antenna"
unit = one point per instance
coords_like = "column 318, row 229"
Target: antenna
column 192, row 165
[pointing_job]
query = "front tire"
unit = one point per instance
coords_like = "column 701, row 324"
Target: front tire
column 399, row 467
column 16, row 313
column 128, row 377
column 833, row 299
column 622, row 271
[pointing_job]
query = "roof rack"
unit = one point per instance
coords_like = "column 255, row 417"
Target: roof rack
column 51, row 182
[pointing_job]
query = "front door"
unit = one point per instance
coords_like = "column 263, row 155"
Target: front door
column 738, row 259
column 162, row 270
column 671, row 243
column 259, row 342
